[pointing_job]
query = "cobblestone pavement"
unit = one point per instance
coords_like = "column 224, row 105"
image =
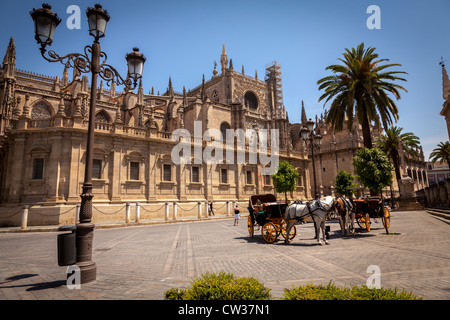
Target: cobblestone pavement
column 143, row 262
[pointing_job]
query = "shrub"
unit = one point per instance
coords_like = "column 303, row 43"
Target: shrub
column 222, row 286
column 332, row 292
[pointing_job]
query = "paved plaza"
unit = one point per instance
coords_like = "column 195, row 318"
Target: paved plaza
column 143, row 262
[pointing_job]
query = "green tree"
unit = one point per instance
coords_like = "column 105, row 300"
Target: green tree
column 373, row 169
column 391, row 141
column 441, row 153
column 285, row 179
column 359, row 88
column 344, row 183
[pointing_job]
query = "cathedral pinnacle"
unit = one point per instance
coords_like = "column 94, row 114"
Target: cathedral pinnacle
column 224, row 59
column 304, row 118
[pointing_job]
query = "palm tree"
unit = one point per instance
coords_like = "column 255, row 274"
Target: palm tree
column 441, row 153
column 393, row 140
column 360, row 88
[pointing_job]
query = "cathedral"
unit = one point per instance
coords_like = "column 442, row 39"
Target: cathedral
column 43, row 133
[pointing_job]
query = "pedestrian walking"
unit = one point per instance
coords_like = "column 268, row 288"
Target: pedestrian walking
column 211, row 210
column 236, row 215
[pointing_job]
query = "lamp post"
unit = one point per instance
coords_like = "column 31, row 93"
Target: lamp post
column 314, row 141
column 45, row 22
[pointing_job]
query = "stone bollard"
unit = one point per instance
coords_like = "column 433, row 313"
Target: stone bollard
column 24, row 218
column 138, row 212
column 199, row 209
column 174, row 216
column 77, row 213
column 228, row 208
column 206, row 209
column 127, row 212
column 166, row 212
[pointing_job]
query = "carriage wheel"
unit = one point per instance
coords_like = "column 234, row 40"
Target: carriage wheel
column 269, row 232
column 292, row 232
column 364, row 221
column 367, row 218
column 386, row 219
column 361, row 221
column 250, row 226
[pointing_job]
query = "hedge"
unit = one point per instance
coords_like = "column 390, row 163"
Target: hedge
column 225, row 286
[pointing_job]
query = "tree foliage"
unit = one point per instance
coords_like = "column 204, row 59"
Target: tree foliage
column 285, row 179
column 391, row 141
column 359, row 88
column 441, row 153
column 373, row 169
column 344, row 183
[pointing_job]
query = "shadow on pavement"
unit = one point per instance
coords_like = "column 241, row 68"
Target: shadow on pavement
column 32, row 286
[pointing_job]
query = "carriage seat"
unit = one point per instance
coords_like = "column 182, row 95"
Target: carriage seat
column 374, row 202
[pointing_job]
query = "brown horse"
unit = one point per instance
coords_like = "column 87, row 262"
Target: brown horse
column 344, row 207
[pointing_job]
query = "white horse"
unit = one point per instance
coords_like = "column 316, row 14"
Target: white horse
column 317, row 209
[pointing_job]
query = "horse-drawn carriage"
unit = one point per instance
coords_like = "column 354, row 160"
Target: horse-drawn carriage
column 362, row 210
column 268, row 213
column 371, row 207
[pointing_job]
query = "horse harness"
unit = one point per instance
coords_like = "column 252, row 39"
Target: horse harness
column 347, row 204
column 310, row 211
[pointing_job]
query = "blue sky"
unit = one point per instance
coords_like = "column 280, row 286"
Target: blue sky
column 182, row 39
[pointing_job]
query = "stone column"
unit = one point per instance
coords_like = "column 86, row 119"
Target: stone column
column 14, row 175
column 74, row 169
column 54, row 167
column 116, row 170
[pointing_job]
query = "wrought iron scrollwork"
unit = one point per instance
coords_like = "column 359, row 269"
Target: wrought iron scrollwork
column 110, row 74
column 83, row 64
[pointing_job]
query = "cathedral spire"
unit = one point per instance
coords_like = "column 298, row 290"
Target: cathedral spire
column 140, row 93
column 170, row 90
column 215, row 72
column 304, row 118
column 224, row 59
column 203, row 92
column 445, row 82
column 9, row 61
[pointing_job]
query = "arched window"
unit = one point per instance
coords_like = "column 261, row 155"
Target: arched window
column 102, row 116
column 102, row 121
column 250, row 100
column 223, row 129
column 41, row 111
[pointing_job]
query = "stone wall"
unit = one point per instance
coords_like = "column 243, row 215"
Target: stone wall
column 435, row 195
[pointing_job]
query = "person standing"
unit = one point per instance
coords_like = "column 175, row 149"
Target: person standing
column 236, row 215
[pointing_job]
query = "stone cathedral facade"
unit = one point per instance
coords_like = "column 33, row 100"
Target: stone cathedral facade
column 43, row 132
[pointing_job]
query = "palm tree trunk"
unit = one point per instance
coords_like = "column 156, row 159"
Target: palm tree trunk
column 394, row 157
column 366, row 130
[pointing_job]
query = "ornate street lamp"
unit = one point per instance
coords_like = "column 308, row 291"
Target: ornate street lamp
column 135, row 61
column 314, row 141
column 45, row 22
column 97, row 19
